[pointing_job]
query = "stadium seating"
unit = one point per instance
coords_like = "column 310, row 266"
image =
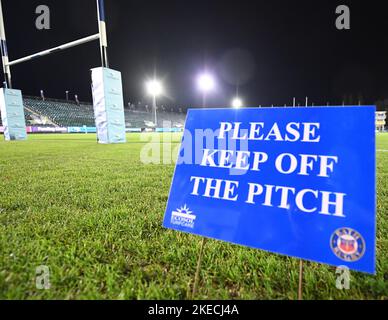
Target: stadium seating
column 61, row 113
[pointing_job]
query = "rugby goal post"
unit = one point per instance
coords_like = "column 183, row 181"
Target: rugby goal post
column 106, row 88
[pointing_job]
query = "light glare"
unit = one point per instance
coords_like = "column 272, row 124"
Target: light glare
column 237, row 103
column 154, row 87
column 206, row 82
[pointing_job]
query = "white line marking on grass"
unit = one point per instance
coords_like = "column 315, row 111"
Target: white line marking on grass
column 380, row 150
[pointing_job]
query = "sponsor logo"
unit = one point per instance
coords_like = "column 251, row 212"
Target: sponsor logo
column 183, row 217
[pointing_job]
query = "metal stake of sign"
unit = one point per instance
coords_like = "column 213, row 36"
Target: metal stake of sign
column 300, row 286
column 199, row 262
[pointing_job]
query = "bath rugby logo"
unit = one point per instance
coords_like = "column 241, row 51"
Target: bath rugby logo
column 183, row 217
column 347, row 244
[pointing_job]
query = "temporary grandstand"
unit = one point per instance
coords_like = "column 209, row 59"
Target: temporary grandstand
column 67, row 113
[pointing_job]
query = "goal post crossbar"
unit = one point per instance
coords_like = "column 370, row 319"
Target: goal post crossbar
column 55, row 49
column 101, row 35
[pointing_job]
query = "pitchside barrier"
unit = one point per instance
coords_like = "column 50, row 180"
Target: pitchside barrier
column 85, row 129
column 106, row 88
column 293, row 181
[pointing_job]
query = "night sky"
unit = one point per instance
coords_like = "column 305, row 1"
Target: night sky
column 271, row 50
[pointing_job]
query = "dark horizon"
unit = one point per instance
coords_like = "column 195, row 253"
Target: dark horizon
column 271, row 51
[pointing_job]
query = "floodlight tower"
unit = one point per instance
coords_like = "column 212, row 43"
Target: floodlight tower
column 206, row 83
column 154, row 88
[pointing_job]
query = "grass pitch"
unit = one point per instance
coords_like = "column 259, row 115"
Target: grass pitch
column 93, row 214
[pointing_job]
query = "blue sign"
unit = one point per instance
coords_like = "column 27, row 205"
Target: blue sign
column 295, row 181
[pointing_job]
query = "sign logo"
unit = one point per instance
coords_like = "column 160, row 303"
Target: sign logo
column 347, row 244
column 183, row 217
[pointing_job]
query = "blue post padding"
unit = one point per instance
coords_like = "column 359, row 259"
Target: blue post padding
column 101, row 10
column 4, row 50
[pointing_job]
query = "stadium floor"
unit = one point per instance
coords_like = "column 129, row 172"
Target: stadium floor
column 93, row 214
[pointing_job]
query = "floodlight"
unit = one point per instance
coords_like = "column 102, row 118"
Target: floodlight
column 154, row 88
column 206, row 82
column 237, row 103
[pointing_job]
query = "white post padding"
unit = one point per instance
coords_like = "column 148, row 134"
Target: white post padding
column 12, row 114
column 108, row 105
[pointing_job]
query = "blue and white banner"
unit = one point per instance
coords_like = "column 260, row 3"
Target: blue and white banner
column 168, row 129
column 83, row 129
column 295, row 181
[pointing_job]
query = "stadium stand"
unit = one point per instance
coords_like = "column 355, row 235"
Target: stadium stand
column 62, row 113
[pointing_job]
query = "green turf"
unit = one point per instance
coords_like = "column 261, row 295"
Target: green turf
column 52, row 212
